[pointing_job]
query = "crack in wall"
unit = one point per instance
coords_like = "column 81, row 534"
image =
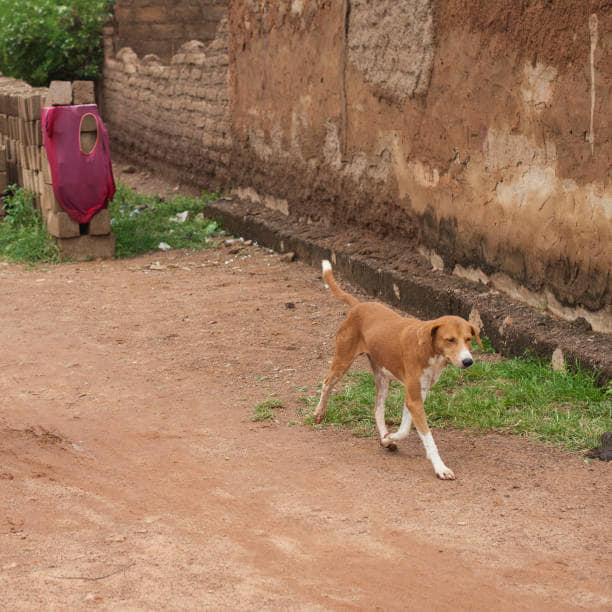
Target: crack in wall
column 593, row 35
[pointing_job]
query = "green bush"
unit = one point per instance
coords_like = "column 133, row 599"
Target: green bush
column 44, row 40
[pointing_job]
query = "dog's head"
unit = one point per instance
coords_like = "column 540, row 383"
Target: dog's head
column 451, row 337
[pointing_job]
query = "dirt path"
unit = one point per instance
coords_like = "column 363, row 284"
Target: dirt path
column 131, row 475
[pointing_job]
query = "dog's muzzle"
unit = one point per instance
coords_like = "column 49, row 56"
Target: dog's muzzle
column 464, row 360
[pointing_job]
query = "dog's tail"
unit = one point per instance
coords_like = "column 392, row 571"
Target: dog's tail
column 329, row 279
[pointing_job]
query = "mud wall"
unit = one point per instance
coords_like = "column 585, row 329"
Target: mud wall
column 171, row 116
column 161, row 27
column 485, row 125
column 478, row 131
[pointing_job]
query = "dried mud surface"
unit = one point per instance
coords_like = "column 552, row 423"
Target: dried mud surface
column 132, row 476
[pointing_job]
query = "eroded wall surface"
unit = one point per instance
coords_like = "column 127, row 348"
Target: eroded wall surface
column 485, row 125
column 480, row 130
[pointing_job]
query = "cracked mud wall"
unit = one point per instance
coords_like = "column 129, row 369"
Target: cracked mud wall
column 480, row 130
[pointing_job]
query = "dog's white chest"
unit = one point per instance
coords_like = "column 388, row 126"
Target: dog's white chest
column 430, row 374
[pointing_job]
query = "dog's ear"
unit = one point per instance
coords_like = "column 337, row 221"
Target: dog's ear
column 427, row 333
column 476, row 334
column 433, row 330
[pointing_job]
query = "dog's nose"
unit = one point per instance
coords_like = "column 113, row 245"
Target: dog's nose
column 467, row 362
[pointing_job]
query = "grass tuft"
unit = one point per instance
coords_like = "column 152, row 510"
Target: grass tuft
column 522, row 396
column 265, row 411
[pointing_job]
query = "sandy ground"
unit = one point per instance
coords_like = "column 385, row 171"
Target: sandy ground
column 133, row 478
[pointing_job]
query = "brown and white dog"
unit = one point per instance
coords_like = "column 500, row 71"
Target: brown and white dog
column 406, row 349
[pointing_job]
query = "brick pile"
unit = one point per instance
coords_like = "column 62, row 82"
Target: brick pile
column 23, row 162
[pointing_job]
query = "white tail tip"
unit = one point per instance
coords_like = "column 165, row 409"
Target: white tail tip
column 325, row 265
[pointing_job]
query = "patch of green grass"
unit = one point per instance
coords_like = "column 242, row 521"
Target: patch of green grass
column 519, row 396
column 354, row 406
column 141, row 222
column 264, row 411
column 23, row 238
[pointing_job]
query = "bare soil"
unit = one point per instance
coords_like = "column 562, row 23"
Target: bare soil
column 132, row 476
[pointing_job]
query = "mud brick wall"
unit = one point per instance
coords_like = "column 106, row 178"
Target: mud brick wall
column 477, row 132
column 25, row 162
column 161, row 27
column 174, row 116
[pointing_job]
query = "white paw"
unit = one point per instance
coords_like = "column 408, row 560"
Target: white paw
column 445, row 473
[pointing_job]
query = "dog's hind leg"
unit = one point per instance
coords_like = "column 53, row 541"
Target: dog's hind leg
column 328, row 385
column 382, row 388
column 347, row 348
column 404, row 428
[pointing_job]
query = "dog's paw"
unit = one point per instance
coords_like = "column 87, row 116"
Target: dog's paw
column 388, row 443
column 445, row 473
column 318, row 418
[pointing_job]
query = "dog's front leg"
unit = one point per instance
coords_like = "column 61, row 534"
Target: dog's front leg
column 415, row 405
column 432, row 454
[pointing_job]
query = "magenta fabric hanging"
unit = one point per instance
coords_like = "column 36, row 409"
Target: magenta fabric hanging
column 83, row 181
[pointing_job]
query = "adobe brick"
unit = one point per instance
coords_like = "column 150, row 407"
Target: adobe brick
column 60, row 93
column 48, row 202
column 123, row 12
column 83, row 92
column 150, row 14
column 100, row 223
column 60, row 225
column 88, row 247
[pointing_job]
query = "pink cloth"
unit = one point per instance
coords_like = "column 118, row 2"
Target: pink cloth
column 83, row 183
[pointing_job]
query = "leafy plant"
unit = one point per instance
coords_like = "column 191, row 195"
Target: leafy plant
column 141, row 222
column 43, row 40
column 23, row 237
column 520, row 396
column 487, row 346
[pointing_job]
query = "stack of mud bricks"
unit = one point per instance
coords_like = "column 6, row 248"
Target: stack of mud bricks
column 25, row 161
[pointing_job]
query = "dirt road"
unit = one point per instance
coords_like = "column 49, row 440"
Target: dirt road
column 132, row 476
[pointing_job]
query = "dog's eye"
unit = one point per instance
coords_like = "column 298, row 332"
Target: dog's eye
column 451, row 340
